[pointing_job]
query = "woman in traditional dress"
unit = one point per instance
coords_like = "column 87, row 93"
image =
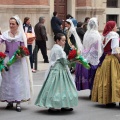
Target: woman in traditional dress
column 106, row 87
column 58, row 91
column 73, row 40
column 16, row 82
column 92, row 44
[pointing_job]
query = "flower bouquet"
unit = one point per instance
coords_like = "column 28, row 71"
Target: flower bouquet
column 22, row 51
column 2, row 57
column 74, row 57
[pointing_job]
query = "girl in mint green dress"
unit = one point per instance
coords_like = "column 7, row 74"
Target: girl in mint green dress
column 58, row 91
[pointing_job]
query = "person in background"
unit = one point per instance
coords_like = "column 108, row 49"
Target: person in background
column 0, row 31
column 68, row 16
column 106, row 87
column 58, row 92
column 92, row 51
column 85, row 23
column 16, row 85
column 56, row 24
column 80, row 30
column 29, row 29
column 41, row 38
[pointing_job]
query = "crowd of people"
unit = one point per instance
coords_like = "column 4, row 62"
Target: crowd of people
column 60, row 91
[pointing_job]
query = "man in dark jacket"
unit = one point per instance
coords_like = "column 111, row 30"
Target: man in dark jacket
column 56, row 24
column 41, row 38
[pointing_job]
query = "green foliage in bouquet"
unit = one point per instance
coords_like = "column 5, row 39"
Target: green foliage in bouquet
column 22, row 51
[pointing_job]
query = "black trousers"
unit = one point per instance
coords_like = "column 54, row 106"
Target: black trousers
column 42, row 46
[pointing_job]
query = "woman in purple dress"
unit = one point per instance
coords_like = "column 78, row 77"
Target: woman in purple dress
column 92, row 52
column 16, row 82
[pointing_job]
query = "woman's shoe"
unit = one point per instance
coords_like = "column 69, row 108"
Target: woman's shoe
column 89, row 96
column 110, row 105
column 66, row 109
column 34, row 71
column 9, row 106
column 18, row 108
column 52, row 110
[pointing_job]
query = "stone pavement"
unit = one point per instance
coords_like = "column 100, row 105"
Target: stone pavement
column 41, row 65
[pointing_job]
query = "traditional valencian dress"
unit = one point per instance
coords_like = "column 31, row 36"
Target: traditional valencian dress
column 92, row 51
column 58, row 90
column 106, row 87
column 15, row 85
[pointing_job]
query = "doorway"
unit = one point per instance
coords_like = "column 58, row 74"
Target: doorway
column 60, row 6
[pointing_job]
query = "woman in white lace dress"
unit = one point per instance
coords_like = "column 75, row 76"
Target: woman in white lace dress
column 92, row 44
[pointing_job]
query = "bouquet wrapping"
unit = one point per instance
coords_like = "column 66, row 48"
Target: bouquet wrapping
column 22, row 51
column 2, row 57
column 73, row 56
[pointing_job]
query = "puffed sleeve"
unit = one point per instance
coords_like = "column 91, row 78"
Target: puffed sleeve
column 115, row 46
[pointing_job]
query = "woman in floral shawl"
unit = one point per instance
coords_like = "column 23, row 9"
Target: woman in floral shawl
column 106, row 87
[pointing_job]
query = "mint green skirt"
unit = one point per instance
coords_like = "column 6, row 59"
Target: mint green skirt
column 58, row 90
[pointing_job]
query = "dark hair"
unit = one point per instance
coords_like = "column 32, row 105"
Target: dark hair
column 15, row 20
column 58, row 36
column 25, row 20
column 68, row 22
column 69, row 16
column 79, row 24
column 54, row 13
column 86, row 19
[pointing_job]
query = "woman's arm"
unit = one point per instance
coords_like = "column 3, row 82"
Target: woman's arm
column 63, row 61
column 117, row 56
column 115, row 48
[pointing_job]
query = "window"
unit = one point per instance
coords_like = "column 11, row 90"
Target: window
column 111, row 17
column 112, row 3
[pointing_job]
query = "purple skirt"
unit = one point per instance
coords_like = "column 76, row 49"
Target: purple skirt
column 83, row 77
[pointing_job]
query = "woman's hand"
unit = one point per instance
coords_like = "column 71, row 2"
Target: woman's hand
column 73, row 47
column 18, row 56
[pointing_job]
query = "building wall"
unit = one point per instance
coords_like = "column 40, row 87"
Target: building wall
column 24, row 2
column 81, row 3
column 90, row 8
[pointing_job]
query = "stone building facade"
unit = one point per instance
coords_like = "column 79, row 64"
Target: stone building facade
column 36, row 8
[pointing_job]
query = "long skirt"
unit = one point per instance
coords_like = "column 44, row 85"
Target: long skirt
column 15, row 85
column 84, row 77
column 106, row 87
column 58, row 90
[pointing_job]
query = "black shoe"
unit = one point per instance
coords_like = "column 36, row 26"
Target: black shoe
column 46, row 61
column 90, row 97
column 53, row 110
column 18, row 108
column 9, row 106
column 72, row 70
column 110, row 105
column 66, row 109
